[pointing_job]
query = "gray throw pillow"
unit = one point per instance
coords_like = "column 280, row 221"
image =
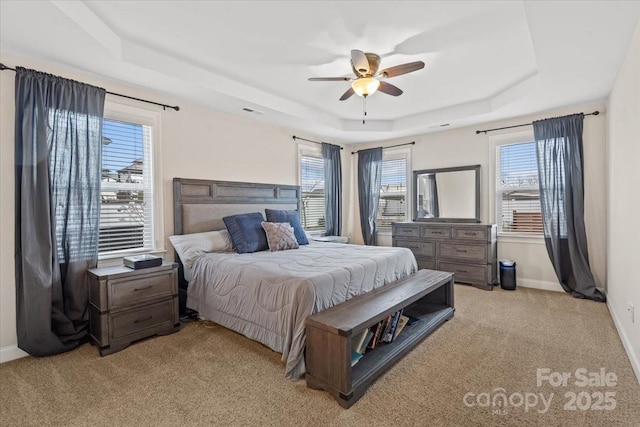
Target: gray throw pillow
column 280, row 236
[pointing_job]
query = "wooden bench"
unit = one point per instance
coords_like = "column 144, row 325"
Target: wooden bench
column 426, row 295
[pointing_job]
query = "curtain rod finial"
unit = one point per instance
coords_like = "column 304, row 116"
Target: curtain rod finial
column 595, row 113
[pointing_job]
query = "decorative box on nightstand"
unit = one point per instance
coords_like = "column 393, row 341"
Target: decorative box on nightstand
column 127, row 305
column 331, row 239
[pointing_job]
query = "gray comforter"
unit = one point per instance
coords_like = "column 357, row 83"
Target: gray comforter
column 267, row 295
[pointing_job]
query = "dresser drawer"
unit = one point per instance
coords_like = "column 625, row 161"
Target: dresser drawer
column 426, row 264
column 474, row 274
column 417, row 247
column 437, row 232
column 130, row 322
column 468, row 249
column 470, row 233
column 406, row 231
column 131, row 291
column 462, row 251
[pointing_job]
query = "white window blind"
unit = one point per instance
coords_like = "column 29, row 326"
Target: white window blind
column 312, row 188
column 393, row 192
column 126, row 214
column 518, row 193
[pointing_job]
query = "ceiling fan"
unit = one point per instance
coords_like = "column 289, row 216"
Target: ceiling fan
column 367, row 77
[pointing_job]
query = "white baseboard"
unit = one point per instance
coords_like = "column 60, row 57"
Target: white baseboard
column 539, row 284
column 633, row 358
column 11, row 352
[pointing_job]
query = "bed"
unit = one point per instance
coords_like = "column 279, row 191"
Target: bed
column 265, row 295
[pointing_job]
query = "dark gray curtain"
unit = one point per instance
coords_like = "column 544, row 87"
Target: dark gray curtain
column 332, row 189
column 369, row 182
column 560, row 170
column 58, row 140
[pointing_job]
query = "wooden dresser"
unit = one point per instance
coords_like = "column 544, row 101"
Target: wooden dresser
column 468, row 250
column 127, row 305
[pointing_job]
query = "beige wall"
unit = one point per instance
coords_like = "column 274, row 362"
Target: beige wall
column 196, row 142
column 199, row 142
column 623, row 225
column 459, row 147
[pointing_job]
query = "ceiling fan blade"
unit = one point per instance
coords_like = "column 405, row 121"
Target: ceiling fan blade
column 359, row 62
column 374, row 62
column 389, row 89
column 347, row 94
column 398, row 70
column 329, row 79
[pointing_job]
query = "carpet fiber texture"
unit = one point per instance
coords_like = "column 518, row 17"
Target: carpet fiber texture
column 207, row 375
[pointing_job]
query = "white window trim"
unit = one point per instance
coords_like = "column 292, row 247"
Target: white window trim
column 126, row 113
column 314, row 151
column 397, row 153
column 305, row 150
column 496, row 141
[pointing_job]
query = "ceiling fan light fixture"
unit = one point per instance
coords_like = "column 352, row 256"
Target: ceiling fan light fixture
column 365, row 86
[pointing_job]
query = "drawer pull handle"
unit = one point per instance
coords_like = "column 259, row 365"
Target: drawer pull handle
column 469, row 233
column 437, row 232
column 461, row 250
column 462, row 271
column 142, row 289
column 143, row 319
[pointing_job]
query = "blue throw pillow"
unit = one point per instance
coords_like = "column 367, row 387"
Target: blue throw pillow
column 246, row 232
column 293, row 218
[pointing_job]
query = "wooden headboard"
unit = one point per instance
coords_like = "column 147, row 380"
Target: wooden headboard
column 199, row 205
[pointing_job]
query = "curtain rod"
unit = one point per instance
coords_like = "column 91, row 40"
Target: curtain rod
column 164, row 106
column 308, row 140
column 390, row 146
column 595, row 113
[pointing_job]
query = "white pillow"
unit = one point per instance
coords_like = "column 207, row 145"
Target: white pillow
column 191, row 246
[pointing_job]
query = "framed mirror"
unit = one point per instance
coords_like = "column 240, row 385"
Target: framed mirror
column 447, row 194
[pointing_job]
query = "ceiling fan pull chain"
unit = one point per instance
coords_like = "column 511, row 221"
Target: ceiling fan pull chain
column 364, row 108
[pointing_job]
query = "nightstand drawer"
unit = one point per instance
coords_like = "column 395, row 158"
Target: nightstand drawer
column 127, row 305
column 131, row 291
column 417, row 247
column 130, row 322
column 462, row 251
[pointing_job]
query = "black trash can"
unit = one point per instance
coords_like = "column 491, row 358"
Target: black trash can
column 508, row 274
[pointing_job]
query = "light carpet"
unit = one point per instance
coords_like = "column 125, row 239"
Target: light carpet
column 209, row 376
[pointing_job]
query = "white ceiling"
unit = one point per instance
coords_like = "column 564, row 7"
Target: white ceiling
column 484, row 60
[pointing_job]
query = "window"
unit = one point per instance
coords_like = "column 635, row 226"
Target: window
column 127, row 184
column 312, row 187
column 518, row 194
column 393, row 191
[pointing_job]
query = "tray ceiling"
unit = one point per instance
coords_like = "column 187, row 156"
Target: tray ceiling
column 484, row 60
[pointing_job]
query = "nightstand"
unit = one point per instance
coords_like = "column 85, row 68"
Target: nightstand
column 127, row 305
column 331, row 239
